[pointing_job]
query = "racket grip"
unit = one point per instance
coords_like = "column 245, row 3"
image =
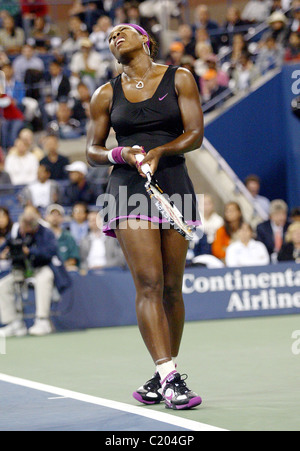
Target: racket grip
column 144, row 167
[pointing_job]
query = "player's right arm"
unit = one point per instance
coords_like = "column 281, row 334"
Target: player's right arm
column 99, row 126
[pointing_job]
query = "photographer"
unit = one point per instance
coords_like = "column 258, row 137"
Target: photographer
column 31, row 247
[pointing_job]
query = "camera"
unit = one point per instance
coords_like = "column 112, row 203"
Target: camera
column 20, row 262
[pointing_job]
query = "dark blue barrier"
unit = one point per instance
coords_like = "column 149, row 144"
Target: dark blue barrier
column 261, row 135
column 108, row 298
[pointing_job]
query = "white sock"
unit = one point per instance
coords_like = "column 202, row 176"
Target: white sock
column 164, row 370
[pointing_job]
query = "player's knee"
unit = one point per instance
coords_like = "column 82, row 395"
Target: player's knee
column 150, row 285
column 172, row 292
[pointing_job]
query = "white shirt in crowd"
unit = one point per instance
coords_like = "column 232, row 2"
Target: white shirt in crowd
column 41, row 194
column 22, row 170
column 254, row 254
column 97, row 253
column 211, row 225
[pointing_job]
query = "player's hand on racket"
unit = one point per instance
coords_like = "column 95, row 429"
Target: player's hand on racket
column 150, row 161
column 129, row 154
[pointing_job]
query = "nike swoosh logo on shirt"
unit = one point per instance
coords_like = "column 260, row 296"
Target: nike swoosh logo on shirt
column 162, row 98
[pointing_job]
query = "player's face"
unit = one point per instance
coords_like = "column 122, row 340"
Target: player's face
column 123, row 39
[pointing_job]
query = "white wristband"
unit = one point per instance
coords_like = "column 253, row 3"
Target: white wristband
column 110, row 157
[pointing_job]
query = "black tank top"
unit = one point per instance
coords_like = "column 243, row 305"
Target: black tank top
column 150, row 123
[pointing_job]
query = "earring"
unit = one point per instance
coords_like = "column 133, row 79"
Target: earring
column 146, row 49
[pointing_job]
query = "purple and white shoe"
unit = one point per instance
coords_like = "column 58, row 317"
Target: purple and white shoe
column 177, row 395
column 151, row 392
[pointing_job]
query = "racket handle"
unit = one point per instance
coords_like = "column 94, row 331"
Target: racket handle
column 145, row 167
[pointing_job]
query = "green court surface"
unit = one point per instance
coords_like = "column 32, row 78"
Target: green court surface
column 246, row 370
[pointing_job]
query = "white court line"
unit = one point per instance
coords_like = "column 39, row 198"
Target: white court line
column 154, row 415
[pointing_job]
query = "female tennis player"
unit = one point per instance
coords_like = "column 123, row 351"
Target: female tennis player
column 157, row 108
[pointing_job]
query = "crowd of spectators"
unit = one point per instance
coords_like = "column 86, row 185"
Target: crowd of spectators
column 50, row 77
column 231, row 241
column 49, row 81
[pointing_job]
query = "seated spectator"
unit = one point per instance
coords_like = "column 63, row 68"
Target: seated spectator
column 21, row 165
column 225, row 235
column 292, row 51
column 5, row 223
column 211, row 62
column 57, row 83
column 279, row 5
column 244, row 74
column 12, row 38
column 176, row 52
column 42, row 34
column 12, row 121
column 79, row 225
column 295, row 19
column 270, row 56
column 53, row 160
column 203, row 51
column 246, row 251
column 290, row 250
column 198, row 247
column 67, row 247
column 81, row 107
column 14, row 88
column 13, row 8
column 89, row 11
column 188, row 62
column 39, row 248
column 98, row 251
column 201, row 35
column 31, row 9
column 27, row 136
column 233, row 24
column 3, row 57
column 212, row 221
column 4, row 176
column 76, row 31
column 295, row 214
column 203, row 20
column 278, row 24
column 239, row 45
column 100, row 34
column 256, row 11
column 210, row 88
column 79, row 190
column 186, row 37
column 88, row 65
column 41, row 193
column 5, row 229
column 253, row 184
column 17, row 91
column 65, row 125
column 272, row 231
column 27, row 61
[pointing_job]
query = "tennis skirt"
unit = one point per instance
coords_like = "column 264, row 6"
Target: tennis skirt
column 126, row 196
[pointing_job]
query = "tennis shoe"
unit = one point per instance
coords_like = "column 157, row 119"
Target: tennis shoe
column 177, row 395
column 151, row 392
column 16, row 328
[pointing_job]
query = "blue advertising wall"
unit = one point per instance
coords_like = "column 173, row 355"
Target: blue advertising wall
column 261, row 135
column 107, row 298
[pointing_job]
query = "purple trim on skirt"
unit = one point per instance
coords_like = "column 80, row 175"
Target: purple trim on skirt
column 108, row 231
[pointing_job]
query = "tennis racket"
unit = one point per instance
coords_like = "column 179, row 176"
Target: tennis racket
column 163, row 203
